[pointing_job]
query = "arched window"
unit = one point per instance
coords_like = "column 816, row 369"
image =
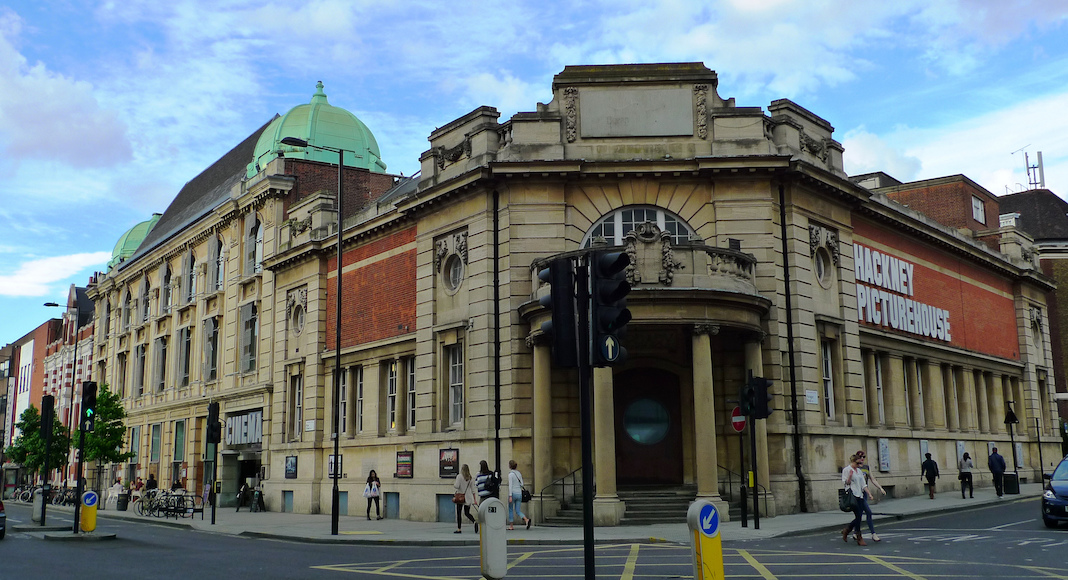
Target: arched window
column 145, row 299
column 127, row 314
column 216, row 265
column 616, row 224
column 165, row 289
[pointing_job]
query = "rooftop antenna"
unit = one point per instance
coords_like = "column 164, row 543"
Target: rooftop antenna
column 1036, row 174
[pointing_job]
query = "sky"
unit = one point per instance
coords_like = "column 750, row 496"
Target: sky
column 108, row 107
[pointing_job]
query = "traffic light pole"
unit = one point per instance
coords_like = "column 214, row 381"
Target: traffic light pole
column 78, row 474
column 756, row 482
column 582, row 278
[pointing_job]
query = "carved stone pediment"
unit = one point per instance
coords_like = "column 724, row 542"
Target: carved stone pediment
column 650, row 251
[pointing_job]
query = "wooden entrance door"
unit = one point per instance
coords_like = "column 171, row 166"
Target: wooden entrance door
column 648, row 427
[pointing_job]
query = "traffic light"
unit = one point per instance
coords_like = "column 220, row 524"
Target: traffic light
column 88, row 405
column 746, row 399
column 608, row 307
column 560, row 275
column 48, row 412
column 761, row 397
column 214, row 427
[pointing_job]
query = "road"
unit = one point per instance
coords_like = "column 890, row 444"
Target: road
column 1002, row 541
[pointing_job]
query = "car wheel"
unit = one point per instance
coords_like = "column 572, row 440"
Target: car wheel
column 1049, row 523
column 2, row 532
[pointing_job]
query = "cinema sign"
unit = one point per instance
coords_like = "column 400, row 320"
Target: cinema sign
column 885, row 289
column 244, row 429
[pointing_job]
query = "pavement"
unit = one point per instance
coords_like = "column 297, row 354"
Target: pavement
column 315, row 528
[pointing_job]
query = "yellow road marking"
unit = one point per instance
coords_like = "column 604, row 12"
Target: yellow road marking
column 521, row 557
column 897, row 569
column 757, row 565
column 1044, row 571
column 632, row 561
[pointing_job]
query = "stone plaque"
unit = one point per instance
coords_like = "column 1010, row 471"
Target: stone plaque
column 636, row 112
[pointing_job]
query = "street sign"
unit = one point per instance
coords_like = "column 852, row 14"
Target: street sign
column 706, row 550
column 709, row 520
column 90, row 498
column 610, row 348
column 737, row 419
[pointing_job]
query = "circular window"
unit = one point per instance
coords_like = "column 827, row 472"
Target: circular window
column 646, row 421
column 822, row 265
column 453, row 273
column 296, row 319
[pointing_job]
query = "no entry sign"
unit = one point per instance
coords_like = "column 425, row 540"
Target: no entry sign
column 738, row 419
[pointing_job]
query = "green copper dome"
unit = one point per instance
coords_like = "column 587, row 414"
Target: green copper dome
column 131, row 240
column 318, row 123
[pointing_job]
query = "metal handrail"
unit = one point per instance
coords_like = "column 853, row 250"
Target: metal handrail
column 575, row 483
column 730, row 486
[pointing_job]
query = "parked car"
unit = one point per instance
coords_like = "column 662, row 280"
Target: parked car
column 1055, row 497
column 3, row 520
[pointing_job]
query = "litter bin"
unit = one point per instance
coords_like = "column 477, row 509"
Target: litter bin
column 1012, row 483
column 123, row 502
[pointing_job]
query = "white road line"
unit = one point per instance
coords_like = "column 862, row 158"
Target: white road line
column 1008, row 525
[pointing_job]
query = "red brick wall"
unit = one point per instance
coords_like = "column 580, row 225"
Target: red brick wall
column 361, row 185
column 980, row 320
column 378, row 299
column 949, row 204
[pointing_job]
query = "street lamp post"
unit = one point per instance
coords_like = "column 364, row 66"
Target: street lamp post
column 335, row 494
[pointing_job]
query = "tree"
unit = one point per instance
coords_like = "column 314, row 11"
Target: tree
column 29, row 447
column 105, row 442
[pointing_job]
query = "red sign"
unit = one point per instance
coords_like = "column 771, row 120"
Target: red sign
column 738, row 420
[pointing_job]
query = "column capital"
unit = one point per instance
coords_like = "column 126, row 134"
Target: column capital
column 537, row 338
column 706, row 328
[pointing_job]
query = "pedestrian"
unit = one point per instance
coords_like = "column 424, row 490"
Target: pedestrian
column 929, row 469
column 139, row 484
column 243, row 495
column 465, row 495
column 965, row 466
column 177, row 486
column 869, row 480
column 996, row 463
column 151, row 483
column 489, row 483
column 853, row 480
column 515, row 496
column 371, row 491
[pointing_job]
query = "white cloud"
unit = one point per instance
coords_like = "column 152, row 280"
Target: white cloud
column 504, row 91
column 866, row 152
column 45, row 115
column 36, row 277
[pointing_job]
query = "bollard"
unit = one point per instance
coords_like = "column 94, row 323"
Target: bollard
column 89, row 504
column 492, row 540
column 707, row 550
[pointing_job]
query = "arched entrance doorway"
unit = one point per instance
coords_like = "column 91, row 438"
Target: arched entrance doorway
column 648, row 426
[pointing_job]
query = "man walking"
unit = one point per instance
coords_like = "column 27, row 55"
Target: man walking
column 929, row 469
column 996, row 463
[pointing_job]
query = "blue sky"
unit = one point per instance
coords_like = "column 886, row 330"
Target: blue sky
column 107, row 108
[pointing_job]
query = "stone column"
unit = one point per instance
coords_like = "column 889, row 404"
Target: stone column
column 949, row 395
column 754, row 362
column 871, row 391
column 607, row 508
column 934, row 406
column 543, row 422
column 966, row 388
column 1001, row 386
column 912, row 383
column 981, row 388
column 704, row 408
column 894, row 390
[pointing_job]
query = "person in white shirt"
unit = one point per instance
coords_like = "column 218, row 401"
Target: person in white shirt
column 515, row 496
column 853, row 480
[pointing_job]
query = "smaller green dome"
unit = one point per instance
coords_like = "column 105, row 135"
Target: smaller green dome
column 131, row 240
column 318, row 123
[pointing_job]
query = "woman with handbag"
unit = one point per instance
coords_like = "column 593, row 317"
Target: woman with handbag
column 464, row 496
column 515, row 496
column 371, row 491
column 853, row 481
column 965, row 467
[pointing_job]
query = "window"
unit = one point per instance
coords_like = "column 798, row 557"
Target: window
column 879, row 400
column 211, row 349
column 144, row 301
column 160, row 376
column 343, row 401
column 216, row 265
column 828, row 379
column 453, row 273
column 921, row 419
column 617, row 224
column 139, row 369
column 296, row 406
column 409, row 400
column 179, row 440
column 250, row 327
column 154, row 446
column 127, row 311
column 189, row 278
column 822, row 265
column 358, row 387
column 165, row 289
column 455, row 356
column 185, row 343
column 135, row 444
column 107, row 317
column 978, row 210
column 120, row 374
column 253, row 245
column 391, row 396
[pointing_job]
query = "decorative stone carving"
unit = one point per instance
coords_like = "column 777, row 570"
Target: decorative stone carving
column 817, row 147
column 650, row 233
column 294, row 298
column 571, row 113
column 819, row 236
column 455, row 244
column 460, row 245
column 441, row 249
column 537, row 338
column 452, row 154
column 701, row 93
column 298, row 226
column 706, row 328
column 1036, row 319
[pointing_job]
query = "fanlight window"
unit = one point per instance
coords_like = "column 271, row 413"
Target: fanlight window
column 613, row 226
